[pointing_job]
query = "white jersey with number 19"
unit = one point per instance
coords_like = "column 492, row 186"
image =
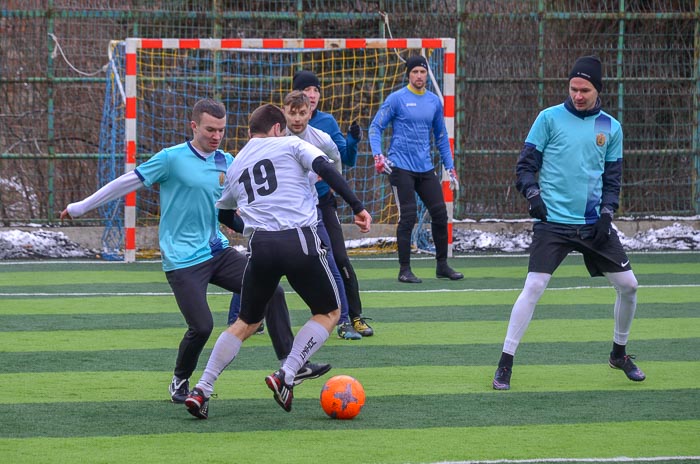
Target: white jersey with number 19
column 268, row 183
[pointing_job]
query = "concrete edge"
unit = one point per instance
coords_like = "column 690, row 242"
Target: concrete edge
column 147, row 237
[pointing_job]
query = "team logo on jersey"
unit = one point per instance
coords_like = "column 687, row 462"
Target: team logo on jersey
column 222, row 178
column 600, row 139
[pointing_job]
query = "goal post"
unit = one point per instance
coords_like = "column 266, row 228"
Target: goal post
column 163, row 78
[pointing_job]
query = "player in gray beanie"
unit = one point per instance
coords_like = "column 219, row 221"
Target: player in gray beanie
column 589, row 68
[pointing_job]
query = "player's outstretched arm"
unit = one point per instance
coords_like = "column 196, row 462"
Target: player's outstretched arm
column 126, row 183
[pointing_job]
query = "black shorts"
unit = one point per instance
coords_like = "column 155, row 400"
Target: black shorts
column 552, row 242
column 297, row 254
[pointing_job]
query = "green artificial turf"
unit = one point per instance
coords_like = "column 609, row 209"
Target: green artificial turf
column 87, row 351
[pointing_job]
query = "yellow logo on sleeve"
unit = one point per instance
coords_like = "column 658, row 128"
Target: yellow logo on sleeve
column 600, row 139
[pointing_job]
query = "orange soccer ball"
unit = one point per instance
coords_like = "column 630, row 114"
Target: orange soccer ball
column 342, row 397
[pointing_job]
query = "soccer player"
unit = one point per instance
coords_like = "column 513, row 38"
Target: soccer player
column 307, row 82
column 269, row 186
column 414, row 113
column 297, row 113
column 570, row 170
column 194, row 251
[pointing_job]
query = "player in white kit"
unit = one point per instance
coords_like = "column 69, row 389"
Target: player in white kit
column 268, row 184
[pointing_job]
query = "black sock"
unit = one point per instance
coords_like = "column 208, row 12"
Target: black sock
column 506, row 360
column 618, row 351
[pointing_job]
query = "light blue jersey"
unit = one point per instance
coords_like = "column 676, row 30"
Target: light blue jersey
column 413, row 116
column 189, row 187
column 574, row 152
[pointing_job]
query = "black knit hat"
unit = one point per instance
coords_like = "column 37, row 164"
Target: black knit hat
column 415, row 60
column 304, row 79
column 589, row 68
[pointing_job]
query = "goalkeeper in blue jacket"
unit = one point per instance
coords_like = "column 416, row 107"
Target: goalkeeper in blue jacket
column 414, row 114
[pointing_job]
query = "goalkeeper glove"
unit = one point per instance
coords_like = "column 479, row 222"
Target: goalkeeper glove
column 382, row 165
column 454, row 180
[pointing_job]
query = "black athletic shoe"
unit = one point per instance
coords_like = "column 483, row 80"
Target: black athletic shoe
column 179, row 389
column 311, row 371
column 282, row 392
column 260, row 330
column 197, row 404
column 408, row 277
column 444, row 271
column 501, row 380
column 626, row 364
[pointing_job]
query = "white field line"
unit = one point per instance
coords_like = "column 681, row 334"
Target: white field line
column 359, row 257
column 623, row 459
column 443, row 290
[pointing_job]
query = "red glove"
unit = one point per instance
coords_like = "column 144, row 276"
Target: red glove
column 454, row 180
column 382, row 165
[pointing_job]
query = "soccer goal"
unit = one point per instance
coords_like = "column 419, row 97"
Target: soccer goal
column 153, row 84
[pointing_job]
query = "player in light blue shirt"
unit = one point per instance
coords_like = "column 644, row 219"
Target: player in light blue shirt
column 570, row 171
column 189, row 231
column 570, row 156
column 194, row 252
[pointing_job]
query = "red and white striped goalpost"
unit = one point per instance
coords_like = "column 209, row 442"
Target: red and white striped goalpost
column 133, row 45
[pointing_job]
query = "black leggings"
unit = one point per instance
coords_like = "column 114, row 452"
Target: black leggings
column 328, row 206
column 406, row 185
column 189, row 286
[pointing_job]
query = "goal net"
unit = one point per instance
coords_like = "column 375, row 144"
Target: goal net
column 152, row 85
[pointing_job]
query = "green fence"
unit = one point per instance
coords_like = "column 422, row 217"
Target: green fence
column 512, row 61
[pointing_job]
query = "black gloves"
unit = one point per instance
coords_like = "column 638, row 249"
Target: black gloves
column 602, row 229
column 355, row 130
column 536, row 206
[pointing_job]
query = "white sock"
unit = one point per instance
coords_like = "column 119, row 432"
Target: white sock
column 625, row 284
column 524, row 308
column 309, row 339
column 225, row 351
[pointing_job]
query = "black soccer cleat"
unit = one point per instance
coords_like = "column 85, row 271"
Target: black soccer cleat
column 501, row 380
column 408, row 277
column 197, row 404
column 282, row 392
column 179, row 389
column 626, row 364
column 444, row 271
column 311, row 371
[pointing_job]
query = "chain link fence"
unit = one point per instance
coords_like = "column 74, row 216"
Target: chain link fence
column 512, row 60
